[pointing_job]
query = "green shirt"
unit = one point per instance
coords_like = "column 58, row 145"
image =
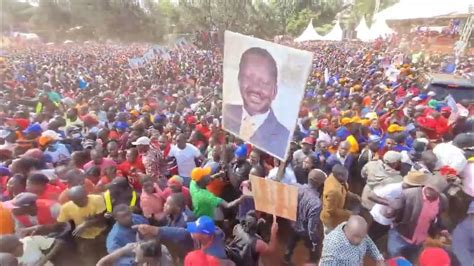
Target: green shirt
column 204, row 202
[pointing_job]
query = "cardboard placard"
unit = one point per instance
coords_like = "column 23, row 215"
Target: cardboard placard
column 274, row 197
column 263, row 88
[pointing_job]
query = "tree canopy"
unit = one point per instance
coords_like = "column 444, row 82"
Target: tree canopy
column 149, row 20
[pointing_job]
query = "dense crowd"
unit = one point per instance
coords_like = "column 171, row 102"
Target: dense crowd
column 102, row 164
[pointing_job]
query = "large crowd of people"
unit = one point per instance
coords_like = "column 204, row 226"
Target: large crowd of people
column 102, row 164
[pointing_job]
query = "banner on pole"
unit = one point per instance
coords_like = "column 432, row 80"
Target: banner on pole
column 136, row 62
column 264, row 82
column 149, row 55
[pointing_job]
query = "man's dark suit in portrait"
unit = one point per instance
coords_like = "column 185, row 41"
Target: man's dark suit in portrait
column 255, row 121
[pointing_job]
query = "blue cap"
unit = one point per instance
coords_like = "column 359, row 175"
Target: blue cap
column 423, row 96
column 4, row 171
column 121, row 125
column 470, row 210
column 204, row 225
column 241, row 151
column 159, row 118
column 374, row 138
column 400, row 261
column 33, row 128
column 47, row 158
column 410, row 127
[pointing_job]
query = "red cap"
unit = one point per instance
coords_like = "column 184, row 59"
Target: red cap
column 445, row 109
column 434, row 257
column 308, row 140
column 191, row 120
column 20, row 122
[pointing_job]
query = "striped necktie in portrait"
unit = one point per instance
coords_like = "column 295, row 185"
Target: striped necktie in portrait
column 247, row 128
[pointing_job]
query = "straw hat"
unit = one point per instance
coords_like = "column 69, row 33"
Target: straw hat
column 415, row 178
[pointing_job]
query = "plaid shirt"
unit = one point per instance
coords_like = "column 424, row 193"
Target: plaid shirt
column 154, row 162
column 309, row 208
column 337, row 251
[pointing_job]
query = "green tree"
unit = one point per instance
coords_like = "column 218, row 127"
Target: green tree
column 15, row 14
column 51, row 19
column 299, row 21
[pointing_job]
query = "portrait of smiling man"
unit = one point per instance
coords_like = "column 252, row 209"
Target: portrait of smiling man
column 254, row 121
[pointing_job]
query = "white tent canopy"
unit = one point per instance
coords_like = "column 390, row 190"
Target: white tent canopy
column 413, row 9
column 26, row 36
column 363, row 31
column 380, row 29
column 309, row 34
column 335, row 34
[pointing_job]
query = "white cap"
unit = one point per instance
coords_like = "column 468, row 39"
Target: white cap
column 51, row 134
column 142, row 141
column 464, row 113
column 432, row 93
column 416, row 99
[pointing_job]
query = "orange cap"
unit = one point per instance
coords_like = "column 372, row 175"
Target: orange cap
column 198, row 173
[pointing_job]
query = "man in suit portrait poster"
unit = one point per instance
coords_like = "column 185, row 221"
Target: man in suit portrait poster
column 254, row 121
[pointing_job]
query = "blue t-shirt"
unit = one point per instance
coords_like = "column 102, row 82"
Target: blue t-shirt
column 120, row 236
column 179, row 240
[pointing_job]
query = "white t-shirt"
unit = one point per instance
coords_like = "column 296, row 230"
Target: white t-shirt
column 60, row 154
column 33, row 247
column 289, row 176
column 185, row 158
column 389, row 192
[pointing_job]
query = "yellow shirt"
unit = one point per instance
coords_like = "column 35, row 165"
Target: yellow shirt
column 70, row 211
column 354, row 145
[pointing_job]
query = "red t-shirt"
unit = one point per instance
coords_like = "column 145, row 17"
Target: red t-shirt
column 199, row 258
column 50, row 193
column 204, row 130
column 126, row 166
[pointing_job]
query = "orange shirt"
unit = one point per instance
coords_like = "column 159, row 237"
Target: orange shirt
column 6, row 221
column 216, row 186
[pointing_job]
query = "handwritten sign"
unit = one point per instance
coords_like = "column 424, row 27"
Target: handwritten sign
column 274, row 197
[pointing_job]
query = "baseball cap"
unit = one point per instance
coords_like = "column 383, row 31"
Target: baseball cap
column 345, row 121
column 433, row 256
column 53, row 135
column 22, row 123
column 395, row 128
column 371, row 115
column 398, row 261
column 204, row 225
column 198, row 173
column 308, row 140
column 33, row 128
column 4, row 171
column 142, row 141
column 24, row 199
column 410, row 127
column 374, row 138
column 4, row 133
column 470, row 210
column 88, row 144
column 392, row 157
column 241, row 151
column 175, row 180
column 121, row 125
